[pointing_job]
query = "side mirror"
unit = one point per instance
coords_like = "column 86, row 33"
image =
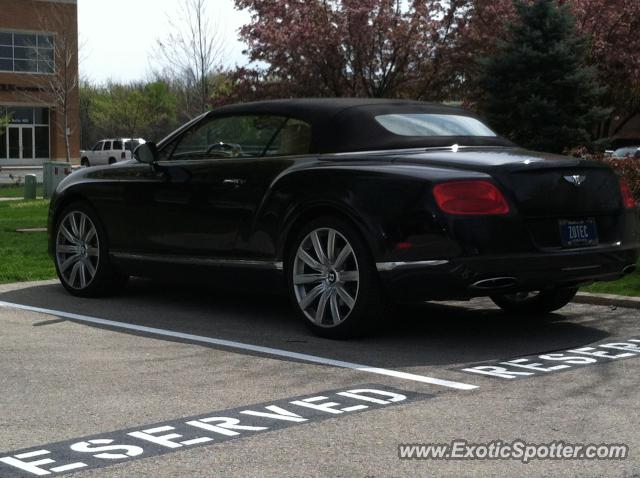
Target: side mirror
column 147, row 153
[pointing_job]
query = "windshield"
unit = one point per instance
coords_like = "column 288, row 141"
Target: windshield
column 430, row 125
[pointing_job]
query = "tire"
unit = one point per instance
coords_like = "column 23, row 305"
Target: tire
column 543, row 302
column 85, row 162
column 332, row 303
column 112, row 161
column 82, row 253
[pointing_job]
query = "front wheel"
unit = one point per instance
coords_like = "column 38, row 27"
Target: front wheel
column 332, row 279
column 535, row 302
column 82, row 255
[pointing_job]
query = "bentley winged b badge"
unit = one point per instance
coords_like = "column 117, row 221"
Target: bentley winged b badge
column 576, row 179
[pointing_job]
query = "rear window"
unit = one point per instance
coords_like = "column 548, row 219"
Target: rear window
column 430, row 125
column 117, row 145
column 131, row 145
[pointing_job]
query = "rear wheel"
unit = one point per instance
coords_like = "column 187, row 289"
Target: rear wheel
column 535, row 302
column 112, row 161
column 82, row 255
column 332, row 279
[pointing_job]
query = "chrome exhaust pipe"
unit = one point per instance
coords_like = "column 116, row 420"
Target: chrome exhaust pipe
column 629, row 269
column 495, row 283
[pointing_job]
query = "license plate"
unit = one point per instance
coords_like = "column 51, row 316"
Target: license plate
column 579, row 233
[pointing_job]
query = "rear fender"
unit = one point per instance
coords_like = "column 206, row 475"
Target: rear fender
column 387, row 203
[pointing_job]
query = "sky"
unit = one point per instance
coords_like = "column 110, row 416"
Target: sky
column 118, row 36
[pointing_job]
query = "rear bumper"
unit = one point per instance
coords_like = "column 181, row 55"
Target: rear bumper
column 462, row 278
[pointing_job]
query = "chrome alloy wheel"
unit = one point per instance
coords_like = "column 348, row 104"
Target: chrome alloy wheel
column 77, row 250
column 326, row 277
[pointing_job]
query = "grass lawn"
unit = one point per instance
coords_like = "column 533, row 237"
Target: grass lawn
column 23, row 256
column 17, row 191
column 629, row 285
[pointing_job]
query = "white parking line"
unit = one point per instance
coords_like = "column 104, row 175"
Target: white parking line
column 243, row 346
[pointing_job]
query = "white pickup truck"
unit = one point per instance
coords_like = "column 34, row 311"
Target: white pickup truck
column 110, row 151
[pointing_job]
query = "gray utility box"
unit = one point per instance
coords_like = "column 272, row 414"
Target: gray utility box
column 53, row 172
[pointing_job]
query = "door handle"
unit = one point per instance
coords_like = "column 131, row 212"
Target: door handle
column 236, row 183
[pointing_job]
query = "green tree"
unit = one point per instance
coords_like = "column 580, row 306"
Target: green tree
column 538, row 89
column 159, row 106
column 89, row 134
column 134, row 110
column 118, row 110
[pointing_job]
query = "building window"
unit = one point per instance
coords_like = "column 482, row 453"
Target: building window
column 42, row 142
column 3, row 143
column 26, row 52
column 27, row 135
column 20, row 115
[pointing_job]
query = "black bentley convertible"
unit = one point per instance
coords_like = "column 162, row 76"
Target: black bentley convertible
column 352, row 203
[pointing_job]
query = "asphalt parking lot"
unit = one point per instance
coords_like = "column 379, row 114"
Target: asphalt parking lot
column 165, row 381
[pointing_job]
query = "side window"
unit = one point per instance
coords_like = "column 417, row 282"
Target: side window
column 293, row 139
column 107, row 146
column 98, row 146
column 246, row 136
column 117, row 145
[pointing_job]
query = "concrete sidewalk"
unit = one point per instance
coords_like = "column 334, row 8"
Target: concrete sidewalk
column 13, row 174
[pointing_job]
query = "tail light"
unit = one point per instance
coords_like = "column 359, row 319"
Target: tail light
column 627, row 195
column 123, row 155
column 471, row 198
column 403, row 246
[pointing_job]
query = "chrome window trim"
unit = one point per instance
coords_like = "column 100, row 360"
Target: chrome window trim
column 194, row 162
column 406, row 151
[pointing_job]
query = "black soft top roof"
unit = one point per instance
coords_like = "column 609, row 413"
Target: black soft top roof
column 348, row 124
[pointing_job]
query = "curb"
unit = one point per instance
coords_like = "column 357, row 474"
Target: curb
column 14, row 286
column 607, row 299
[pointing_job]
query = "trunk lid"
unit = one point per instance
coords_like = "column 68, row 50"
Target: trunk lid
column 566, row 191
column 541, row 185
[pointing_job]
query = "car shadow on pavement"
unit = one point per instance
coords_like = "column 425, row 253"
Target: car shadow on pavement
column 411, row 336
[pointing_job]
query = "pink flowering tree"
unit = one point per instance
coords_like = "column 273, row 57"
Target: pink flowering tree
column 370, row 48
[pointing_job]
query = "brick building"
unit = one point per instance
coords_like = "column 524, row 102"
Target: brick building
column 38, row 81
